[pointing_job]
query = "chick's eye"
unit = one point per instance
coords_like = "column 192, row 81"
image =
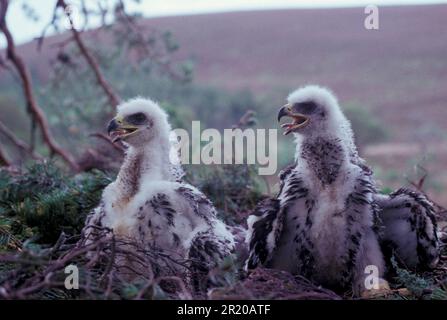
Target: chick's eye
column 137, row 118
column 305, row 107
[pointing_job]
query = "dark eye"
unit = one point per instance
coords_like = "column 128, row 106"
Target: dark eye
column 305, row 107
column 137, row 118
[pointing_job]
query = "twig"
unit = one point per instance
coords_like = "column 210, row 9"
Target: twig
column 4, row 161
column 114, row 100
column 12, row 242
column 102, row 136
column 112, row 259
column 18, row 142
column 52, row 23
column 419, row 185
column 244, row 121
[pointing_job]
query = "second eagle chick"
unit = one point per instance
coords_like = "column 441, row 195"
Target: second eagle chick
column 322, row 223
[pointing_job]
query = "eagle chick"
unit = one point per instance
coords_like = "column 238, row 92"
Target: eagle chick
column 148, row 204
column 321, row 225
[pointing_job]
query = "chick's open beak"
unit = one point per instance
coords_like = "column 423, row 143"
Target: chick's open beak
column 118, row 129
column 299, row 120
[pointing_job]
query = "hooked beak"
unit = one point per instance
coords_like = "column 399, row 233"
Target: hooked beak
column 299, row 119
column 118, row 129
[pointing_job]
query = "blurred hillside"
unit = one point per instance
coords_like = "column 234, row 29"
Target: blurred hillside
column 399, row 71
column 397, row 75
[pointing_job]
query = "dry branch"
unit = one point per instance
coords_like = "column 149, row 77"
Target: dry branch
column 33, row 106
column 107, row 139
column 20, row 144
column 113, row 98
column 4, row 161
column 245, row 121
column 419, row 186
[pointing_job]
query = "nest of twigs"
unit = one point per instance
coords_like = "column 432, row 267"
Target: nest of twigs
column 109, row 268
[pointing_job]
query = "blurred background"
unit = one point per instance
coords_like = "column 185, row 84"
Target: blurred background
column 214, row 61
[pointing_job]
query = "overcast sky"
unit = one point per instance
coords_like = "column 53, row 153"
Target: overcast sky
column 24, row 30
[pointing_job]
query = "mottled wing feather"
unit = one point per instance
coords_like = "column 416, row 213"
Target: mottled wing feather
column 359, row 206
column 283, row 174
column 207, row 248
column 206, row 251
column 163, row 207
column 201, row 205
column 264, row 224
column 409, row 227
column 295, row 196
